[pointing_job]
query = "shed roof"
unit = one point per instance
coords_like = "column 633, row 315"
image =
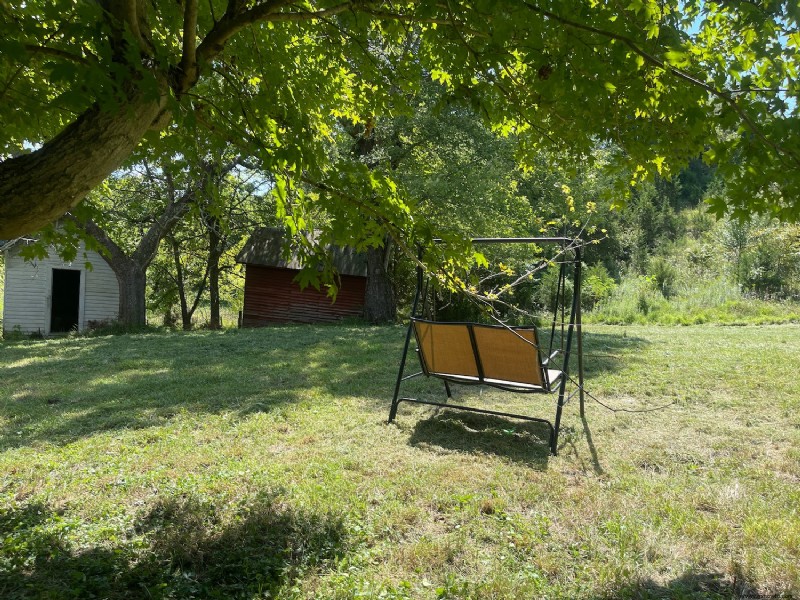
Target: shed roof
column 265, row 247
column 8, row 244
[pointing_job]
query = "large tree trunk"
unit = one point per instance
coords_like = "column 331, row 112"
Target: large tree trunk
column 131, row 278
column 38, row 188
column 379, row 301
column 132, row 286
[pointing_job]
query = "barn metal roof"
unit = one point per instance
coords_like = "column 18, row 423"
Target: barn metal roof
column 266, row 247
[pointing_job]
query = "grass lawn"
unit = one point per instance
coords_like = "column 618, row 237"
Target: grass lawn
column 258, row 464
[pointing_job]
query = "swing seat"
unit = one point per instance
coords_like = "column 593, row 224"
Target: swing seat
column 506, row 358
column 471, row 353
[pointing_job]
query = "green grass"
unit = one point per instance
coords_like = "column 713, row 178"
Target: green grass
column 257, row 464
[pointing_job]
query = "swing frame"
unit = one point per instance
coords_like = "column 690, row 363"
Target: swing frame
column 571, row 246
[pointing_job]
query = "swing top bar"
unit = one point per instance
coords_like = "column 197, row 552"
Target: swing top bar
column 517, row 240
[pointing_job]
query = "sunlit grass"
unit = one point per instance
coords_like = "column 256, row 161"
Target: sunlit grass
column 257, row 463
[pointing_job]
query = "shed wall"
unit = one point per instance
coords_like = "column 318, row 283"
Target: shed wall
column 28, row 288
column 102, row 292
column 271, row 296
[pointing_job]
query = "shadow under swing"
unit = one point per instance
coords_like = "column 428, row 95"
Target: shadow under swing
column 509, row 358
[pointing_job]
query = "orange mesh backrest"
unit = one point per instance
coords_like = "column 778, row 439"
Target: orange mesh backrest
column 446, row 348
column 509, row 354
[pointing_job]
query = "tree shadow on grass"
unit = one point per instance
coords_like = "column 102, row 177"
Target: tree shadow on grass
column 521, row 441
column 607, row 352
column 58, row 391
column 693, row 585
column 180, row 548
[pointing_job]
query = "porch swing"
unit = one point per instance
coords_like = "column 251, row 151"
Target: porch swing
column 509, row 358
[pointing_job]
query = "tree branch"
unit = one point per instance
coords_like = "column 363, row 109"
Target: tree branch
column 125, row 12
column 116, row 253
column 393, row 231
column 188, row 64
column 38, row 187
column 401, row 18
column 148, row 245
column 48, row 51
column 234, row 21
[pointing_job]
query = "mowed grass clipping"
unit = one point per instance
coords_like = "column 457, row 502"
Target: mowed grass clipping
column 258, row 464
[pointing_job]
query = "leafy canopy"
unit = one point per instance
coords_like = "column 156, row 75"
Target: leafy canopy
column 664, row 81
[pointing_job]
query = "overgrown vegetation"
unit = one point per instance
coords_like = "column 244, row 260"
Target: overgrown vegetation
column 257, row 463
column 712, row 271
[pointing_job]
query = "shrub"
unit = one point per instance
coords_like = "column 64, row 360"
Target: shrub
column 663, row 274
column 770, row 266
column 546, row 295
column 636, row 299
column 597, row 285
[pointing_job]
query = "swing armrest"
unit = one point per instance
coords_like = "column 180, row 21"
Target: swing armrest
column 547, row 360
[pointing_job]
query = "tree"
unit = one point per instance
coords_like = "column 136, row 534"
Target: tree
column 150, row 203
column 380, row 305
column 461, row 175
column 82, row 84
column 130, row 257
column 199, row 264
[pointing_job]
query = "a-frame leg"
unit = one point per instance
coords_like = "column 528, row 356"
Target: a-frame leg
column 395, row 402
column 557, row 425
column 574, row 316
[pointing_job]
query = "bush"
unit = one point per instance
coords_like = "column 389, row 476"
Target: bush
column 764, row 256
column 770, row 267
column 597, row 285
column 546, row 295
column 701, row 258
column 663, row 274
column 635, row 300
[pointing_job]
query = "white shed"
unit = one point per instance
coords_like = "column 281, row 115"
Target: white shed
column 51, row 296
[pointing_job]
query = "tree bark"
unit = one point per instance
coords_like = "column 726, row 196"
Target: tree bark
column 379, row 301
column 132, row 286
column 215, row 249
column 130, row 278
column 38, row 188
column 186, row 316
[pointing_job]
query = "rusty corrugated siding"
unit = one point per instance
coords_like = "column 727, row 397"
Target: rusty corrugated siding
column 271, row 296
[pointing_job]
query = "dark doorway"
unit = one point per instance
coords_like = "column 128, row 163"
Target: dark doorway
column 65, row 300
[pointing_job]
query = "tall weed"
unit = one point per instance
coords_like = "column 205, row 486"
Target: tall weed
column 638, row 300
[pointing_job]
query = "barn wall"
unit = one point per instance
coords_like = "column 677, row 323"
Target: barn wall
column 271, row 296
column 28, row 287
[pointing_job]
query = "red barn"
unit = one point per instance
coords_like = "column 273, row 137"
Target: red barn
column 272, row 296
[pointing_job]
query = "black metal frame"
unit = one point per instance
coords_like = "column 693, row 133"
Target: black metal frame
column 568, row 244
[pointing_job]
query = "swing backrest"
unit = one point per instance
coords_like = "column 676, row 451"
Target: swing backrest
column 491, row 354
